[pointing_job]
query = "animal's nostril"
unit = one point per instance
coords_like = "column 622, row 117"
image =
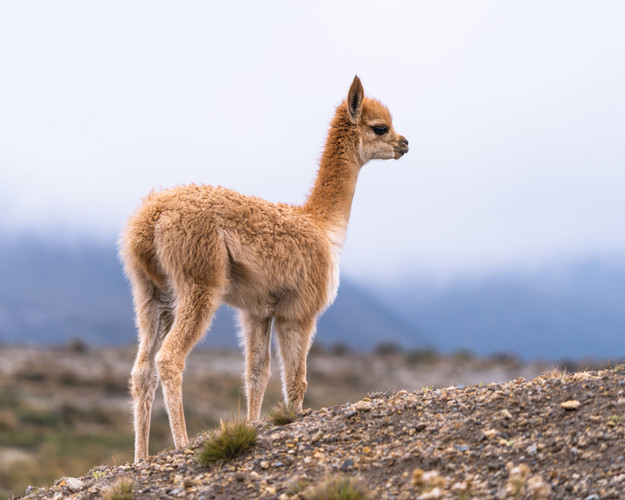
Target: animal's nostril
column 403, row 140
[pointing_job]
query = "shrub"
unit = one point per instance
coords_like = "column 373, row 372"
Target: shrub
column 228, row 442
column 422, row 355
column 387, row 349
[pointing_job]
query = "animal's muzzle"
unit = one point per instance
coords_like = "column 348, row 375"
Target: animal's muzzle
column 402, row 147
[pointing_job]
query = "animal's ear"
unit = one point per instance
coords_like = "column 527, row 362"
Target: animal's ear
column 354, row 100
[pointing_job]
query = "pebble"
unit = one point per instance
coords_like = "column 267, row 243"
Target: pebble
column 347, row 464
column 363, row 406
column 571, row 404
column 433, row 494
column 73, row 484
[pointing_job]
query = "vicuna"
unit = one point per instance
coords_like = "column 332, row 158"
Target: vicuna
column 188, row 249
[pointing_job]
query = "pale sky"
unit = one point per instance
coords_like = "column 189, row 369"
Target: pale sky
column 515, row 112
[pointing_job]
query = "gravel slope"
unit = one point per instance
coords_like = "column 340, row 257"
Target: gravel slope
column 556, row 436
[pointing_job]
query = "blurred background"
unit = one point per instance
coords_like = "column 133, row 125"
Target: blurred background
column 500, row 236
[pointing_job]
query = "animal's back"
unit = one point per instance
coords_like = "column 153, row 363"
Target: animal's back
column 200, row 232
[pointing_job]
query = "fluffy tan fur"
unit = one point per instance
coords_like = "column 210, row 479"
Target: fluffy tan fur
column 188, row 249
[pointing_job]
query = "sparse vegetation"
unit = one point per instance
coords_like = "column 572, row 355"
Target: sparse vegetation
column 228, row 442
column 422, row 355
column 121, row 490
column 338, row 487
column 282, row 414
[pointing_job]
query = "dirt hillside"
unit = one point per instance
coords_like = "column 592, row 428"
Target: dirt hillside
column 555, row 436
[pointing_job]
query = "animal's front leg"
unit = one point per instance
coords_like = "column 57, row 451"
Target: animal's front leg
column 257, row 335
column 294, row 339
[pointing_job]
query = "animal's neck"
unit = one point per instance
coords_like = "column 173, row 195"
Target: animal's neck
column 330, row 201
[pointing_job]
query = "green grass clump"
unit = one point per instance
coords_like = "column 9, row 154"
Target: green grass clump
column 121, row 490
column 337, row 487
column 228, row 442
column 282, row 414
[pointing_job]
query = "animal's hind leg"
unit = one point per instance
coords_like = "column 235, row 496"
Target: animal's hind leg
column 154, row 319
column 294, row 338
column 193, row 312
column 257, row 336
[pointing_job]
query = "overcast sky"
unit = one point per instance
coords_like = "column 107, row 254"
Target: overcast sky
column 515, row 112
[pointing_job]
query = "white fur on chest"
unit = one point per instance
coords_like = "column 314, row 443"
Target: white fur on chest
column 336, row 238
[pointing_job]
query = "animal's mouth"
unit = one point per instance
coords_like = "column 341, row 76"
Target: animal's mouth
column 400, row 151
column 402, row 148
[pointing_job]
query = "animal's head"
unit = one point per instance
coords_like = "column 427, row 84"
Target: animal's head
column 378, row 140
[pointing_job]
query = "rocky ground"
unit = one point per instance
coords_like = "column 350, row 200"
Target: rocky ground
column 555, row 436
column 66, row 409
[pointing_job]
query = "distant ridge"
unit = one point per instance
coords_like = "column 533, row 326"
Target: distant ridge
column 51, row 294
column 572, row 310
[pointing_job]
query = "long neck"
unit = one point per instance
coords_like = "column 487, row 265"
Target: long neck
column 331, row 198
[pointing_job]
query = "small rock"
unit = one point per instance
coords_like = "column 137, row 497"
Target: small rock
column 363, row 406
column 506, row 414
column 264, row 464
column 73, row 484
column 460, row 487
column 347, row 464
column 570, row 405
column 433, row 494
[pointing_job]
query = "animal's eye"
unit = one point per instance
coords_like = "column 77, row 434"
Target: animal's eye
column 380, row 129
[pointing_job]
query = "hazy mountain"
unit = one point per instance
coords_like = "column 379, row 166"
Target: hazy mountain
column 564, row 310
column 50, row 293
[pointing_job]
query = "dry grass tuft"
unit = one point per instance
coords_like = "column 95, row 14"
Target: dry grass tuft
column 121, row 490
column 338, row 487
column 556, row 373
column 228, row 442
column 282, row 414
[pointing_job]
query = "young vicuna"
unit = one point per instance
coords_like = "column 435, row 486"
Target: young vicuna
column 190, row 248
